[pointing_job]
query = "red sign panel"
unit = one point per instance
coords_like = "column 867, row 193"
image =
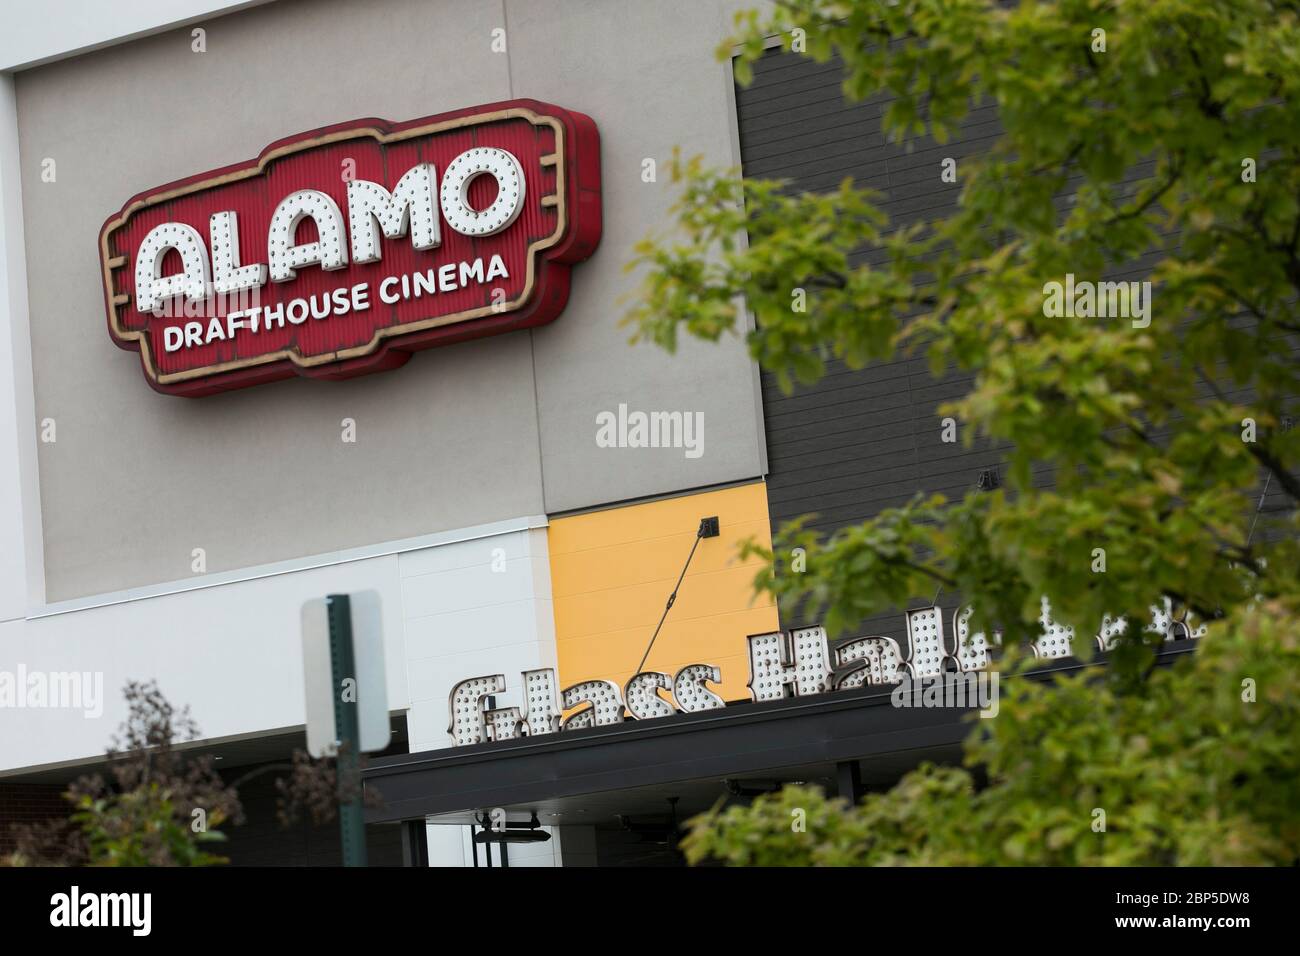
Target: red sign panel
column 344, row 250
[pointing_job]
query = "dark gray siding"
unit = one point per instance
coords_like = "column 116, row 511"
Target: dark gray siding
column 858, row 441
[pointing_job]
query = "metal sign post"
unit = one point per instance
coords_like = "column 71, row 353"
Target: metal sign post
column 346, row 699
column 343, row 669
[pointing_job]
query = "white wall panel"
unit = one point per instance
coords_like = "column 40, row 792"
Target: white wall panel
column 467, row 620
column 232, row 651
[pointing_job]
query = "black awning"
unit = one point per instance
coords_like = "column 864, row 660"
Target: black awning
column 742, row 739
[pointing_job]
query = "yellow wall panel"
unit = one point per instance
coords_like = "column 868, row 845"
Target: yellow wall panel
column 612, row 571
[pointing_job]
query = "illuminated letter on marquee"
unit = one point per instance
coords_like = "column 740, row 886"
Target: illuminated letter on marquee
column 782, row 664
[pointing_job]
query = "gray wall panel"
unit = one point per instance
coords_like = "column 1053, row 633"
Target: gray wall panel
column 649, row 74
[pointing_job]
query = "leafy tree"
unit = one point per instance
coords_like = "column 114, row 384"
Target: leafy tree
column 162, row 807
column 1202, row 769
column 1165, row 131
column 315, row 787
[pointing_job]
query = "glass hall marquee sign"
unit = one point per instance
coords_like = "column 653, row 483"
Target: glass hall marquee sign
column 343, row 250
column 797, row 663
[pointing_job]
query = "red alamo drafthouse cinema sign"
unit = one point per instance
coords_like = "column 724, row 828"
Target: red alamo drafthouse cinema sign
column 342, row 251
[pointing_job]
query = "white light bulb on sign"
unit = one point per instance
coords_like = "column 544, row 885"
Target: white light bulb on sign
column 504, row 723
column 372, row 209
column 543, row 711
column 766, row 667
column 227, row 274
column 468, row 725
column 283, row 251
column 151, row 289
column 881, row 661
column 1111, row 629
column 925, row 639
column 579, row 721
column 454, row 196
column 812, row 661
column 642, row 693
column 972, row 650
column 1162, row 620
column 689, row 688
column 606, row 702
column 1055, row 639
column 789, row 665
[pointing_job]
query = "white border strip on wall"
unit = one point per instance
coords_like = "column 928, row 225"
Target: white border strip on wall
column 38, row 33
column 311, row 562
column 22, row 562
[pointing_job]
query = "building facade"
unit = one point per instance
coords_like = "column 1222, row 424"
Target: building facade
column 493, row 491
